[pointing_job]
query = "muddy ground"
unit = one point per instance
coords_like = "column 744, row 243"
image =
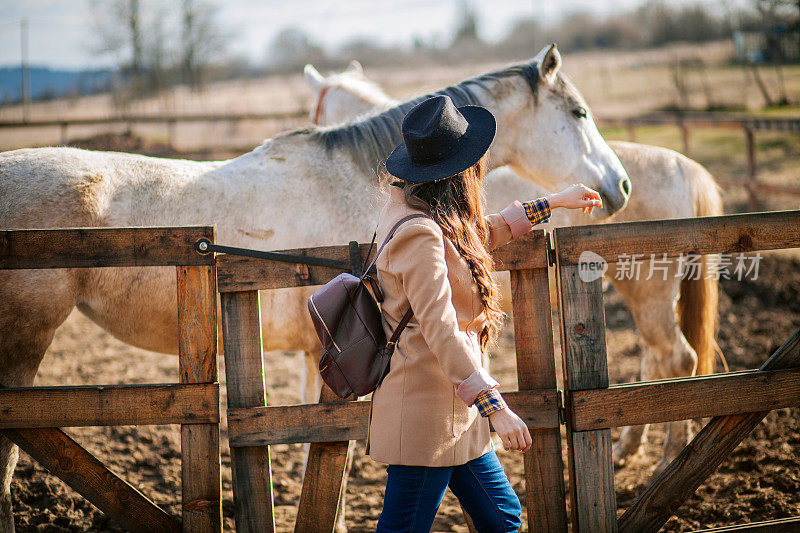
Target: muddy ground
column 760, row 481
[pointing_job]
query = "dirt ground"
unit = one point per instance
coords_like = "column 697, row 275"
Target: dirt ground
column 760, row 481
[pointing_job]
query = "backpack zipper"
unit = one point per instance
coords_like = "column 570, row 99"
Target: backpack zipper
column 324, row 324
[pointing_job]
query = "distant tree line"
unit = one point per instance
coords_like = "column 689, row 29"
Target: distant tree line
column 160, row 43
column 652, row 24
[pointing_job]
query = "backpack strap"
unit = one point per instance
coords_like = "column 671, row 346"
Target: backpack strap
column 400, row 327
column 410, row 312
column 389, row 237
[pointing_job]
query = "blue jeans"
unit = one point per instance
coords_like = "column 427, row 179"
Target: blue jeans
column 413, row 495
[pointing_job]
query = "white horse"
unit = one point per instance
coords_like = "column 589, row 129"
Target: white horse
column 306, row 188
column 666, row 184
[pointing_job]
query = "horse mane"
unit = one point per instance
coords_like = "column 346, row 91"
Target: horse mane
column 370, row 140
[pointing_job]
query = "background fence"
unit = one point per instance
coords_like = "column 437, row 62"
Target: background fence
column 749, row 127
column 684, row 121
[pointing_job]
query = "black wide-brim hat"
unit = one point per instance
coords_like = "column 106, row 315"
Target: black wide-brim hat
column 440, row 140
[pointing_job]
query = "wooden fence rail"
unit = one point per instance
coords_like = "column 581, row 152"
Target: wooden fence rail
column 30, row 416
column 682, row 399
column 328, row 422
column 109, row 405
column 129, row 120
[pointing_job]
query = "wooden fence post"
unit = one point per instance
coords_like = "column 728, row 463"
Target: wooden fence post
column 171, row 133
column 197, row 349
column 252, row 474
column 591, row 470
column 752, row 179
column 685, row 136
column 324, row 481
column 533, row 337
column 631, row 131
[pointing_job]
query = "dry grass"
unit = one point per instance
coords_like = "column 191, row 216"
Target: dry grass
column 616, row 84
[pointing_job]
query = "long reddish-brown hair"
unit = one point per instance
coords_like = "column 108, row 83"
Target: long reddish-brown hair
column 456, row 203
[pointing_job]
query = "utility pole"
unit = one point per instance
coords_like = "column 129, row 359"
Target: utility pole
column 26, row 77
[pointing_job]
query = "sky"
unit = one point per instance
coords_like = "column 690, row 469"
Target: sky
column 61, row 31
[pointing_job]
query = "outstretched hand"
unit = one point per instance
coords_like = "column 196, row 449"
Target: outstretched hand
column 576, row 196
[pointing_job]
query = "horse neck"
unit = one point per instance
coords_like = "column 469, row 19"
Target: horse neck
column 370, row 140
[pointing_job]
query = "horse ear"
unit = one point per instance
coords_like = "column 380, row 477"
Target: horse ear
column 314, row 79
column 550, row 63
column 355, row 67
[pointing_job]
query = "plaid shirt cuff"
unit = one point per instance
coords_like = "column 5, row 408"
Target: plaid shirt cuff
column 538, row 210
column 489, row 401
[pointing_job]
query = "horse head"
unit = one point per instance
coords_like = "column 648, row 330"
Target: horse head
column 550, row 138
column 342, row 96
column 546, row 132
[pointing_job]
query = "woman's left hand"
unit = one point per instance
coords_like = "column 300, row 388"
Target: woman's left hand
column 511, row 429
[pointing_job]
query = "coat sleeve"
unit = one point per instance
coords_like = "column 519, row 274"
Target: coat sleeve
column 416, row 256
column 514, row 221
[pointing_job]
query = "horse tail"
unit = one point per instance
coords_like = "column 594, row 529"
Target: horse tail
column 699, row 298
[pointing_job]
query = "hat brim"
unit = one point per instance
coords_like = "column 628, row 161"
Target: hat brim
column 473, row 144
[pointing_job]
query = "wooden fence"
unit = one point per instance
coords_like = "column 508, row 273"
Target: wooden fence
column 170, row 121
column 333, row 424
column 30, row 417
column 593, row 407
column 738, row 401
column 748, row 125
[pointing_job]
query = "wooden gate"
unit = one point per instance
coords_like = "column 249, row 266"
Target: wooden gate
column 333, row 424
column 30, row 417
column 737, row 401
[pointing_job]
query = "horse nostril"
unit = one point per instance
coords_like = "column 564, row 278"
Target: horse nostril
column 626, row 187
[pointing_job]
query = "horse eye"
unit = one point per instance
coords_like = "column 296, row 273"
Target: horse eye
column 579, row 112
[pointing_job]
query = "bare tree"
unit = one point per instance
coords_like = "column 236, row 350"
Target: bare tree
column 292, row 48
column 467, row 26
column 201, row 40
column 138, row 43
column 118, row 26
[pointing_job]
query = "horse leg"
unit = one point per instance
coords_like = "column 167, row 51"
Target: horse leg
column 32, row 305
column 311, row 381
column 667, row 354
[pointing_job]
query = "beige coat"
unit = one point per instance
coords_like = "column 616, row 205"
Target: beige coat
column 422, row 412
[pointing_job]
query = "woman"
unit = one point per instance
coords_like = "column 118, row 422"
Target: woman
column 429, row 415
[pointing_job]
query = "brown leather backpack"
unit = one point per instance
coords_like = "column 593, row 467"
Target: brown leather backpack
column 355, row 352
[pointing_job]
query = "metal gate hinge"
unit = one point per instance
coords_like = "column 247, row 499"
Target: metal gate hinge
column 551, row 251
column 562, row 411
